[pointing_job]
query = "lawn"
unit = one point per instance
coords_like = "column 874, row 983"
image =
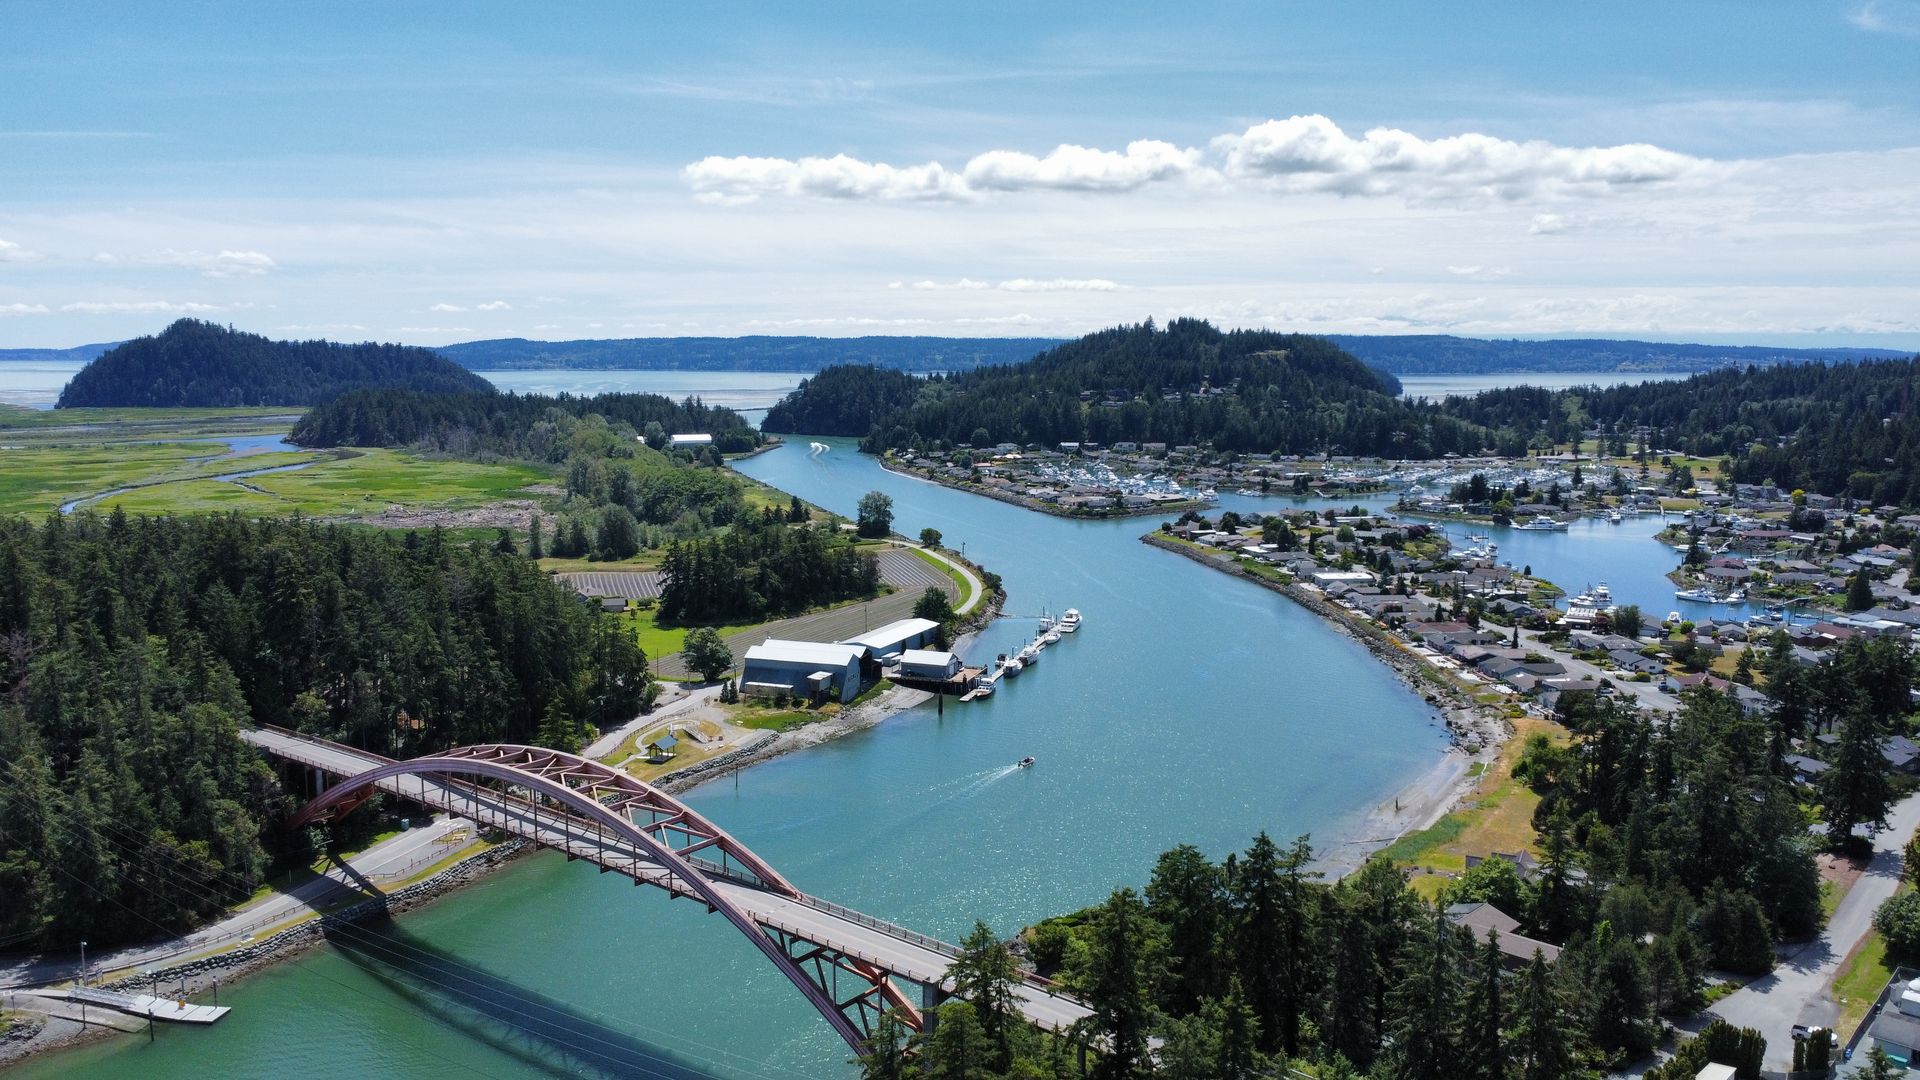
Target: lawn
column 1496, row 816
column 150, row 423
column 357, row 483
column 658, row 641
column 1862, row 975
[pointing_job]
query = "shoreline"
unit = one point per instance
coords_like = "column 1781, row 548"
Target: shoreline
column 1476, row 732
column 232, row 966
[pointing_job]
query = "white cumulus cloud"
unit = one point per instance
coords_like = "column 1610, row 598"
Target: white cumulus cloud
column 1312, row 153
column 1298, row 154
column 494, row 305
column 446, row 307
column 22, row 309
column 1546, row 224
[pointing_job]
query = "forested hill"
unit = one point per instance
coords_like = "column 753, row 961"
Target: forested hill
column 528, row 426
column 1836, row 429
column 843, row 401
column 746, row 353
column 1443, row 354
column 194, row 363
column 1243, row 391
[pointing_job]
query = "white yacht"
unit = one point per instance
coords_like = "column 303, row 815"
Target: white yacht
column 1070, row 621
column 1543, row 523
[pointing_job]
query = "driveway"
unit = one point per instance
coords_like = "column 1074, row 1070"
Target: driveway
column 1796, row 991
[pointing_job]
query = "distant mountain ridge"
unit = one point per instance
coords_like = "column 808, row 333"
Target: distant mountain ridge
column 753, row 353
column 1444, row 354
column 82, row 353
column 194, row 363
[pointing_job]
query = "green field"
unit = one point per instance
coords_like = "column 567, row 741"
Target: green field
column 353, row 484
column 147, row 423
column 38, row 478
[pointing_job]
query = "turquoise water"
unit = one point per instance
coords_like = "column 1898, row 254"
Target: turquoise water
column 1191, row 708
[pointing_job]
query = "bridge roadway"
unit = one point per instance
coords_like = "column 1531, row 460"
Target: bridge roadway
column 906, row 955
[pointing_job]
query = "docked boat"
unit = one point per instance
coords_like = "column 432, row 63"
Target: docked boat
column 1051, row 637
column 1698, row 596
column 1029, row 656
column 1614, row 518
column 1247, row 492
column 1010, row 666
column 1070, row 621
column 1543, row 523
column 1026, row 762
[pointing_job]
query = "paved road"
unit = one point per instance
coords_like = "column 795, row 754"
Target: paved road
column 608, row 743
column 1797, row 991
column 1648, row 695
column 896, row 950
column 391, row 857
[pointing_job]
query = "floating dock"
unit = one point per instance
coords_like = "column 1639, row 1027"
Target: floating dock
column 171, row 1010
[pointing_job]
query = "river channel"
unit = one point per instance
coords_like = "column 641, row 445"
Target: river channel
column 1191, row 708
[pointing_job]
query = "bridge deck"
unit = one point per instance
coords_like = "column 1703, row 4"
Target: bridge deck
column 901, row 952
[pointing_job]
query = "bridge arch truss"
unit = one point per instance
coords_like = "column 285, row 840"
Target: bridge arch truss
column 645, row 833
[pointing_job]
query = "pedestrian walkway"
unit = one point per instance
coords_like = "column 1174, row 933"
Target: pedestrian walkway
column 171, row 1010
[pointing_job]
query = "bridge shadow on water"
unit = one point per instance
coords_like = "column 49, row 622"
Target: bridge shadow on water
column 538, row 1031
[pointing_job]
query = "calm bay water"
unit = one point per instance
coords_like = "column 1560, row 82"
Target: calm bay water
column 35, row 383
column 1439, row 386
column 1191, row 708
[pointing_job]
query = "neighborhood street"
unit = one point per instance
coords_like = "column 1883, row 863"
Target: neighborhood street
column 1796, row 991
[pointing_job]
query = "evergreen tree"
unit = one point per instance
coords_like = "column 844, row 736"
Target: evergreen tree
column 1425, row 1005
column 1543, row 1044
column 984, row 975
column 535, row 548
column 1859, row 592
column 1482, row 1052
column 1186, row 895
column 1240, row 1057
column 958, row 1049
column 1274, row 938
column 1118, row 987
column 1857, row 790
column 886, row 1058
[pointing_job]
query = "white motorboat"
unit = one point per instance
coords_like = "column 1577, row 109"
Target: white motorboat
column 1698, row 596
column 1070, row 621
column 1543, row 523
column 1614, row 518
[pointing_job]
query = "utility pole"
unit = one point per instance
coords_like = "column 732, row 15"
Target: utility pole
column 152, row 985
column 83, row 983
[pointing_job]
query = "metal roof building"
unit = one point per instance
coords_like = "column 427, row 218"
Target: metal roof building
column 808, row 669
column 896, row 637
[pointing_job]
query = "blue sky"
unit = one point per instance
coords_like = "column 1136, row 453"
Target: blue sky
column 438, row 172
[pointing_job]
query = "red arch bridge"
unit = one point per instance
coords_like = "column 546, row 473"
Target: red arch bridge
column 852, row 967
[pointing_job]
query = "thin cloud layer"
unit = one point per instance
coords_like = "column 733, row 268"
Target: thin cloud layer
column 11, row 252
column 216, row 264
column 1298, row 154
column 1012, row 285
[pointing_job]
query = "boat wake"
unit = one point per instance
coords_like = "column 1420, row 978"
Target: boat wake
column 815, row 449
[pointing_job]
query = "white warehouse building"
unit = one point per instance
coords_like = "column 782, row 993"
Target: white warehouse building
column 808, row 669
column 889, row 641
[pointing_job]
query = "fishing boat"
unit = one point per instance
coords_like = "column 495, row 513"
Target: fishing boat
column 1026, row 762
column 1070, row 621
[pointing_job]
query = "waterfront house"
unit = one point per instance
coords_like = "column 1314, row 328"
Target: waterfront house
column 1516, row 949
column 1631, row 661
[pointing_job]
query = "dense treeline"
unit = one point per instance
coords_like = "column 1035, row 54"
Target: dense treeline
column 844, row 400
column 528, row 426
column 1836, row 429
column 1666, row 851
column 194, row 363
column 763, row 566
column 1244, row 391
column 133, row 650
column 1444, row 354
column 751, row 353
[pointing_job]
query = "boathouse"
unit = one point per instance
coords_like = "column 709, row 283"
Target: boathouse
column 813, row 670
column 928, row 664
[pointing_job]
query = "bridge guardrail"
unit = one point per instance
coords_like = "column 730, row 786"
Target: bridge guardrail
column 912, row 937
